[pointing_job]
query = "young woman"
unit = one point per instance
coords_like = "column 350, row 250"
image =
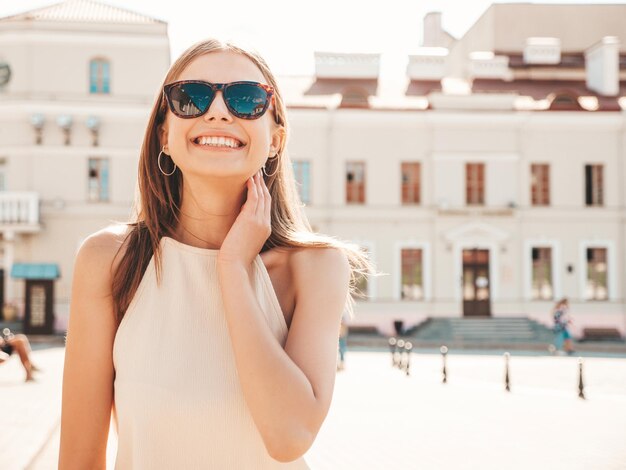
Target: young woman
column 207, row 327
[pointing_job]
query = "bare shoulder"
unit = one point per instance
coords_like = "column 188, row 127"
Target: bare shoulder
column 99, row 255
column 309, row 264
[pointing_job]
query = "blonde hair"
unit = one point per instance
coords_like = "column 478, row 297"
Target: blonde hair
column 157, row 205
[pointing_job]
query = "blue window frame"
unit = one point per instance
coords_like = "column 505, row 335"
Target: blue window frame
column 99, row 76
column 302, row 173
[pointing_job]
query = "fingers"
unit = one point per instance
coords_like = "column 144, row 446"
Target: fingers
column 253, row 198
column 259, row 196
column 268, row 200
column 263, row 195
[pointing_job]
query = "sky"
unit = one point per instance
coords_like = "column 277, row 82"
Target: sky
column 287, row 32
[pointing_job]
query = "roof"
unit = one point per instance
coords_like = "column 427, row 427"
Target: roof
column 35, row 271
column 83, row 11
column 543, row 89
column 398, row 93
column 506, row 26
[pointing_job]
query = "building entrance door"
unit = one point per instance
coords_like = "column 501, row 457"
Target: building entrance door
column 1, row 292
column 476, row 283
column 38, row 316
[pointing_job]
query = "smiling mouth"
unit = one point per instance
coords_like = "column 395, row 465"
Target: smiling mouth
column 218, row 142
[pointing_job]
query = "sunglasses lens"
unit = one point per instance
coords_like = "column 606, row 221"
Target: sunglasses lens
column 247, row 100
column 190, row 99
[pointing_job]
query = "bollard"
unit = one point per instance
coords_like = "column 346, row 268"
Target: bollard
column 392, row 347
column 444, row 353
column 408, row 346
column 581, row 386
column 402, row 364
column 400, row 352
column 507, row 384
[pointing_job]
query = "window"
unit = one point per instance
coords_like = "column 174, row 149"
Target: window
column 542, row 274
column 597, row 269
column 302, row 172
column 99, row 76
column 540, row 184
column 3, row 183
column 412, row 274
column 411, row 182
column 98, row 179
column 594, row 185
column 564, row 101
column 355, row 182
column 475, row 183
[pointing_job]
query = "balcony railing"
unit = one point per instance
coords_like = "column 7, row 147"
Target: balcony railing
column 19, row 208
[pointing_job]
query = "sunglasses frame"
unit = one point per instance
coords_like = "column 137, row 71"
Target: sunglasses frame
column 215, row 87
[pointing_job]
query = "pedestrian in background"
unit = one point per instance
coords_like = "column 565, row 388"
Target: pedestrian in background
column 343, row 342
column 20, row 344
column 562, row 320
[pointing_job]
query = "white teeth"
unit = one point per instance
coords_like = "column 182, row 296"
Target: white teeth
column 215, row 141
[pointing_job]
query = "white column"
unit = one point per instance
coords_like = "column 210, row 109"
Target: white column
column 9, row 255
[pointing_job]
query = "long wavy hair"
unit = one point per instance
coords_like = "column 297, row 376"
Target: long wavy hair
column 158, row 198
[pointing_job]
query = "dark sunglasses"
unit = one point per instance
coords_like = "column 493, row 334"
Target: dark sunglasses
column 192, row 98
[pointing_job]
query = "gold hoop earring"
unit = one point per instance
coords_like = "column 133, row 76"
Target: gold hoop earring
column 159, row 163
column 273, row 158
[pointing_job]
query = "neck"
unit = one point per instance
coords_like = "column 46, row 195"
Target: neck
column 208, row 212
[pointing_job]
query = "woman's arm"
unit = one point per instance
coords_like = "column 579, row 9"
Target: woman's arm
column 288, row 391
column 88, row 370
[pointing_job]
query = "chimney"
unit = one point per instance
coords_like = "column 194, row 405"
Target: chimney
column 602, row 66
column 433, row 34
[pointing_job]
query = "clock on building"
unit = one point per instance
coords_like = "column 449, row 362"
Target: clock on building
column 5, row 73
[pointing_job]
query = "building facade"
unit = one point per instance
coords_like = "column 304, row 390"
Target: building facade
column 486, row 181
column 77, row 81
column 490, row 181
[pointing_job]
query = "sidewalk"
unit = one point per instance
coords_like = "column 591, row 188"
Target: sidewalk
column 381, row 419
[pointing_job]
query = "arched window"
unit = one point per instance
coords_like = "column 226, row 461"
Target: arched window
column 99, row 76
column 564, row 101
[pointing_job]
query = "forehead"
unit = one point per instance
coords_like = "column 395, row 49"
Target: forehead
column 222, row 67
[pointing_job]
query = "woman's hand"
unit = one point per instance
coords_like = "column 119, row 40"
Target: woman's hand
column 251, row 228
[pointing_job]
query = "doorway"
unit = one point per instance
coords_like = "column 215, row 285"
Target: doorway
column 476, row 283
column 38, row 314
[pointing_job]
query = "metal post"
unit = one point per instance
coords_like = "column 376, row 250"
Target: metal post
column 408, row 346
column 581, row 386
column 507, row 384
column 444, row 353
column 392, row 347
column 400, row 344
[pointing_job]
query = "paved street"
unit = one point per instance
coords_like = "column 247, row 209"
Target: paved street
column 381, row 419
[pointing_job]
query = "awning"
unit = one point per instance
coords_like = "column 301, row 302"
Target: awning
column 35, row 271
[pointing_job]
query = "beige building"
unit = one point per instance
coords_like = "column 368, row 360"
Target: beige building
column 488, row 180
column 77, row 81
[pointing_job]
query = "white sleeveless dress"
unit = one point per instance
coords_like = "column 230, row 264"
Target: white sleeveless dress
column 178, row 403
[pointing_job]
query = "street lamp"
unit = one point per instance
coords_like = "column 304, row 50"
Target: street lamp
column 93, row 124
column 38, row 121
column 64, row 121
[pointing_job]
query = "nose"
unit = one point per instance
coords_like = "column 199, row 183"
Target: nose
column 218, row 109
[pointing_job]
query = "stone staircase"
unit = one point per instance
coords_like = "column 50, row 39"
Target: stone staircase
column 483, row 331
